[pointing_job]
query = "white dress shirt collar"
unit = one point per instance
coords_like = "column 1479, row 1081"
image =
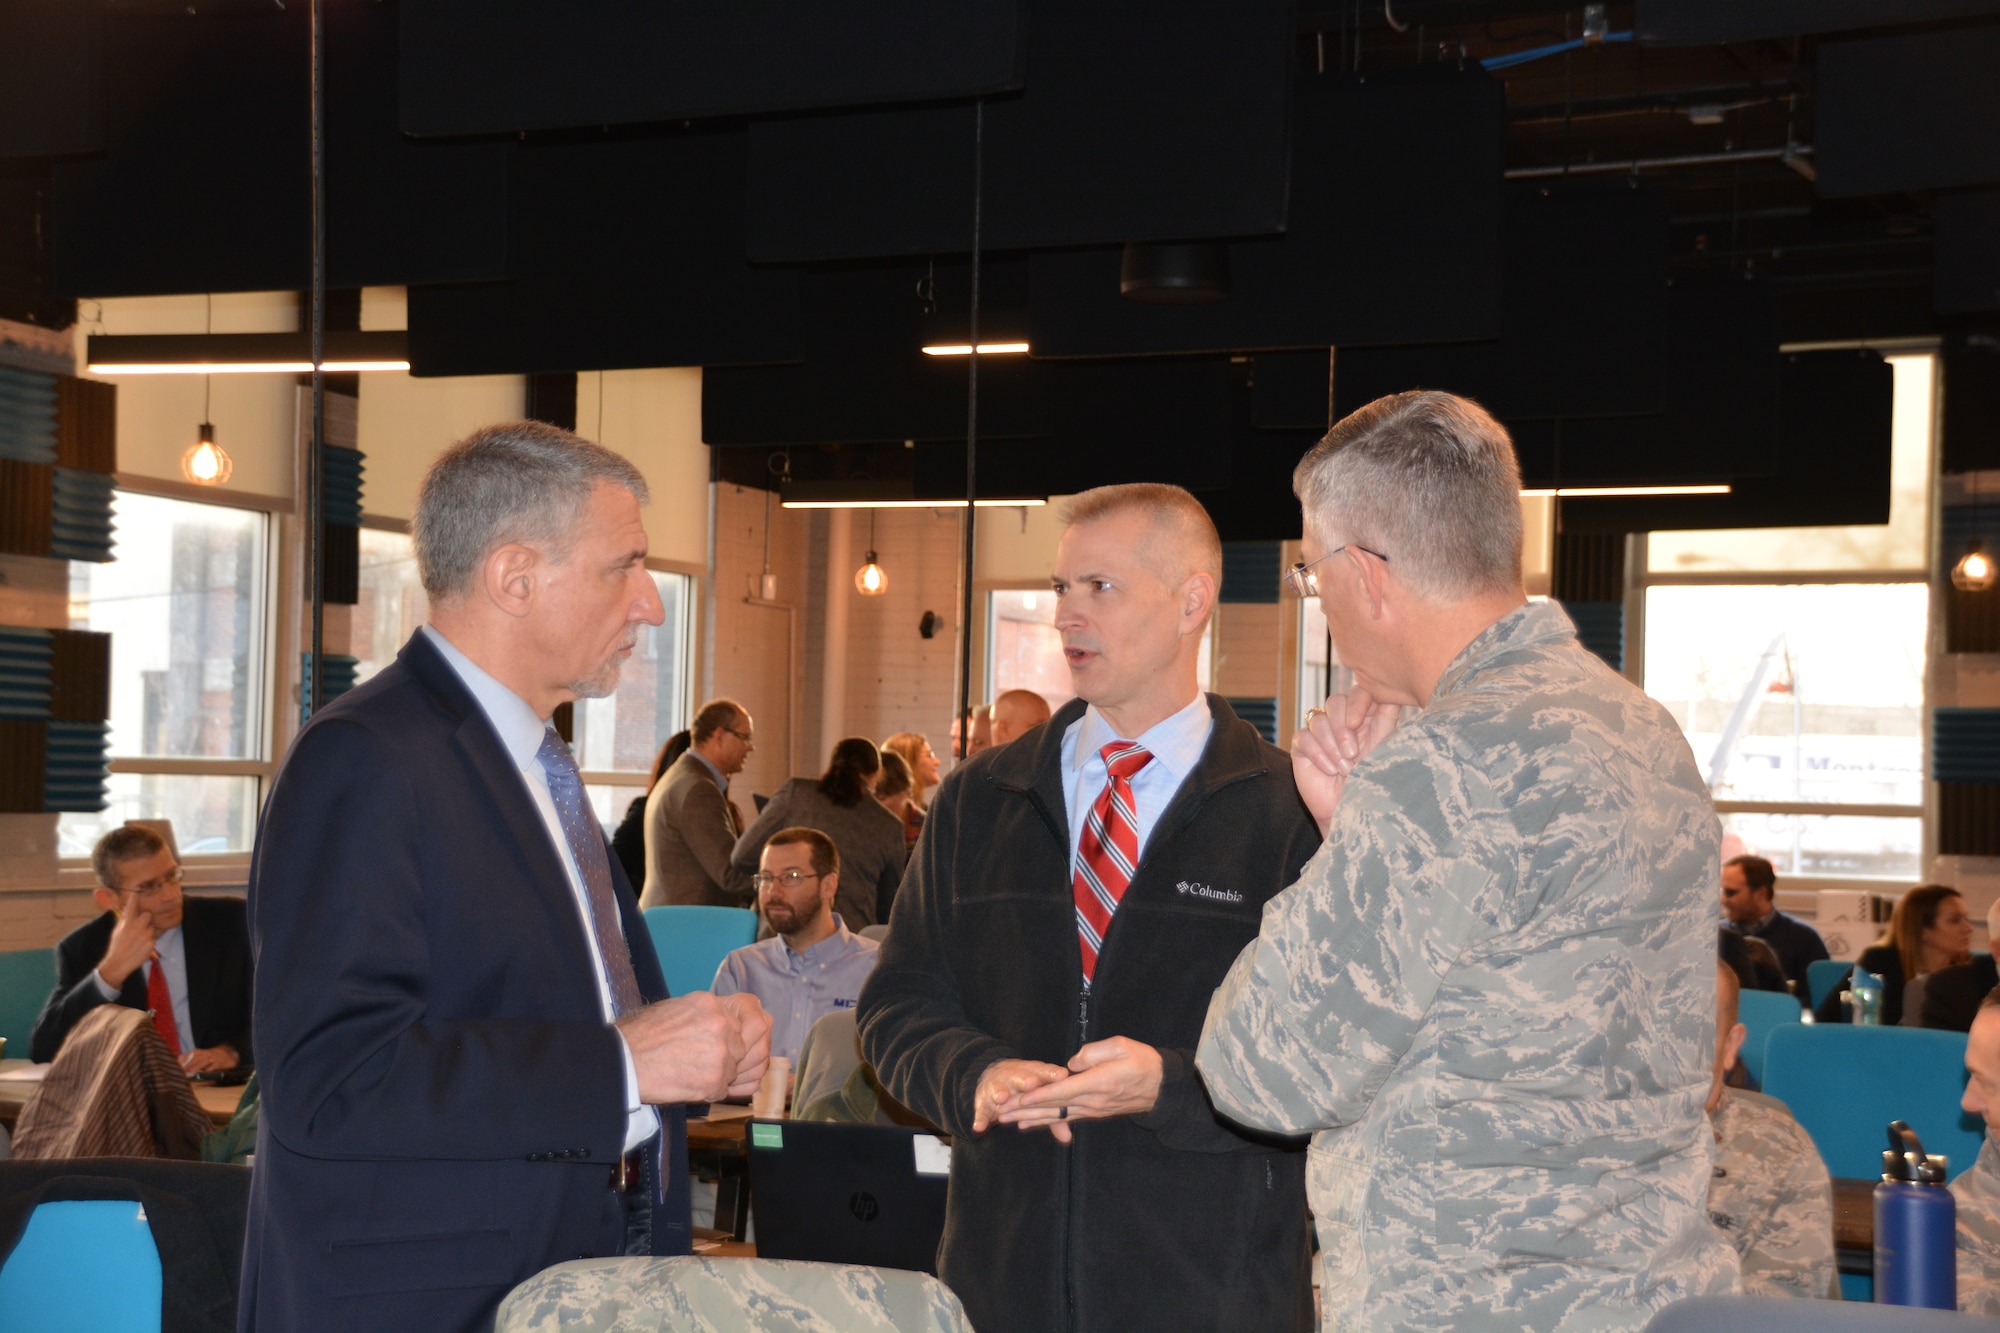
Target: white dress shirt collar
column 520, row 731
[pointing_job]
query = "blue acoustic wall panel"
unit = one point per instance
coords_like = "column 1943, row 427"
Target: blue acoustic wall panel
column 1965, row 744
column 24, row 673
column 78, row 767
column 1600, row 626
column 82, row 527
column 343, row 486
column 1251, row 571
column 1259, row 713
column 27, row 416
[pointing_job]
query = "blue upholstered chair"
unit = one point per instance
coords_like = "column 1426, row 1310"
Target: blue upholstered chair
column 85, row 1266
column 1845, row 1084
column 26, row 978
column 692, row 942
column 1823, row 978
column 1760, row 1011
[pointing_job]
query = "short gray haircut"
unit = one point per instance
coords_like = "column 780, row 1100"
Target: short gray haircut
column 1430, row 480
column 1184, row 537
column 519, row 481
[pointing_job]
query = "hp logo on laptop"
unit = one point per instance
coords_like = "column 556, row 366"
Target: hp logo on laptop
column 862, row 1204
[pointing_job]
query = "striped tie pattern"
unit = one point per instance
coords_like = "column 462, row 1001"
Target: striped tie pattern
column 586, row 844
column 1107, row 855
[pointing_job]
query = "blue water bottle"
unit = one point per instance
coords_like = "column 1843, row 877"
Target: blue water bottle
column 1916, row 1225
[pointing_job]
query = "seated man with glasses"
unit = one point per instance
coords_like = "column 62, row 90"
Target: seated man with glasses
column 812, row 965
column 185, row 959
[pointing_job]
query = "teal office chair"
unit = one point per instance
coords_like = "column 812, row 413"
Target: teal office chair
column 1823, row 978
column 692, row 941
column 1845, row 1084
column 26, row 978
column 85, row 1266
column 1760, row 1011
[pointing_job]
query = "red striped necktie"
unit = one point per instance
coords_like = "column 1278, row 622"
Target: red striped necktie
column 162, row 1004
column 1107, row 855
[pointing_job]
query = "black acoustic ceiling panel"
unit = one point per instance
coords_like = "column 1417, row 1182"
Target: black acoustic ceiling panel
column 1914, row 111
column 1583, row 321
column 1708, row 22
column 1722, row 401
column 1831, row 459
column 1969, row 434
column 1965, row 272
column 1292, row 390
column 204, row 185
column 479, row 66
column 864, row 376
column 629, row 251
column 1394, row 235
column 1138, row 122
column 1149, row 419
column 1258, row 505
column 51, row 97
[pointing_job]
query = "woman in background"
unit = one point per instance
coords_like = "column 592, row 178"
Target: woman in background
column 916, row 752
column 629, row 842
column 1928, row 930
column 893, row 790
column 841, row 804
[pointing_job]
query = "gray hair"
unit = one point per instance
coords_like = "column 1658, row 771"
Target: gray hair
column 1429, row 479
column 1184, row 537
column 519, row 481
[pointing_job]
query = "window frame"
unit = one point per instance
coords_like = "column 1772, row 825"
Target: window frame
column 691, row 615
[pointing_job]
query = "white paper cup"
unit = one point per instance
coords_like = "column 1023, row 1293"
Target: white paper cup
column 768, row 1102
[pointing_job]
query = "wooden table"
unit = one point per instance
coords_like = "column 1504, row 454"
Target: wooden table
column 220, row 1103
column 722, row 1130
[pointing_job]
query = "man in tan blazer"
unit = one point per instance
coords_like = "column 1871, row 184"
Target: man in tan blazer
column 691, row 826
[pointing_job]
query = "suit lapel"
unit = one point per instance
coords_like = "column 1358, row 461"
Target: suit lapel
column 517, row 822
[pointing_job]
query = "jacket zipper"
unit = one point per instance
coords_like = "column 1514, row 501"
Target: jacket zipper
column 1069, row 1195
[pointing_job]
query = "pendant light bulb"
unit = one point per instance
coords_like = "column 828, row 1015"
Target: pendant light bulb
column 1974, row 571
column 869, row 580
column 205, row 463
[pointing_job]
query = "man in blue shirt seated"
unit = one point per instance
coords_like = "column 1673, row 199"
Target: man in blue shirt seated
column 1749, row 907
column 813, row 964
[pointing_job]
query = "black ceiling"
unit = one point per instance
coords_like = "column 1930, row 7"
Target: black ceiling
column 1442, row 190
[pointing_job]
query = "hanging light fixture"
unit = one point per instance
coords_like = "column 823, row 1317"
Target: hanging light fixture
column 1974, row 571
column 1174, row 272
column 869, row 580
column 205, row 463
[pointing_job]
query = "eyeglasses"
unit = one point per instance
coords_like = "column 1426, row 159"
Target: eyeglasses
column 153, row 888
column 1302, row 582
column 791, row 879
column 743, row 736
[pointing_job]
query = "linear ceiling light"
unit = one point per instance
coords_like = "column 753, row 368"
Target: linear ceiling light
column 908, row 504
column 965, row 349
column 1603, row 492
column 245, row 353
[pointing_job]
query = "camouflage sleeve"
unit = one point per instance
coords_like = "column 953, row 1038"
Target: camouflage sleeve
column 1320, row 1007
column 1790, row 1241
column 1978, row 1195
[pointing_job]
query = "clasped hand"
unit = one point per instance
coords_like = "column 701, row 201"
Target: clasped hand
column 698, row 1047
column 1332, row 742
column 1116, row 1076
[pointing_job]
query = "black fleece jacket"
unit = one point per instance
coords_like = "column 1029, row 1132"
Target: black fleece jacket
column 1170, row 1220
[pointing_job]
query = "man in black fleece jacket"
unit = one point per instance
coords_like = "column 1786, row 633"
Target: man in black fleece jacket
column 1094, row 1188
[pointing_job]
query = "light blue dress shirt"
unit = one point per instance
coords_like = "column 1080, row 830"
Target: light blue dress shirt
column 799, row 989
column 520, row 733
column 1176, row 743
column 171, row 946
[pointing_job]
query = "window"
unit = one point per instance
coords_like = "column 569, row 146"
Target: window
column 392, row 602
column 1023, row 649
column 184, row 603
column 618, row 737
column 1795, row 661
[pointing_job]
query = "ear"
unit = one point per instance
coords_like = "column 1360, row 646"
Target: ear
column 509, row 578
column 1197, row 600
column 829, row 885
column 1374, row 580
column 1732, row 1044
column 106, row 900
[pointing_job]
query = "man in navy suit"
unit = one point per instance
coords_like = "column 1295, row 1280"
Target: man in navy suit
column 470, row 1070
column 186, row 959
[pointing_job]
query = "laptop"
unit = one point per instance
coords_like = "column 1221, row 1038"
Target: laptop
column 848, row 1194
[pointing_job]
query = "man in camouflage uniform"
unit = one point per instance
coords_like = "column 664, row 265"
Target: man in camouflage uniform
column 1978, row 1190
column 1490, row 993
column 1771, row 1195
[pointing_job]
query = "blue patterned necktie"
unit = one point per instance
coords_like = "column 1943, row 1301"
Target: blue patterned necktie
column 586, row 844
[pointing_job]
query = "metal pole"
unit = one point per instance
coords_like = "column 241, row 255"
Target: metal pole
column 315, row 471
column 971, row 435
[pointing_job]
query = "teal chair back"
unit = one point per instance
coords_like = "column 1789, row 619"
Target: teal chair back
column 1760, row 1011
column 1823, row 978
column 1845, row 1083
column 85, row 1266
column 692, row 942
column 26, row 978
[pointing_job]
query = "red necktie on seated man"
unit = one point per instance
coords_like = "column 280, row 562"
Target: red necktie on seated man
column 162, row 1004
column 1107, row 853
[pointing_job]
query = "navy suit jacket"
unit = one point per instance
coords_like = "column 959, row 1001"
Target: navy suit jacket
column 442, row 1101
column 216, row 950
